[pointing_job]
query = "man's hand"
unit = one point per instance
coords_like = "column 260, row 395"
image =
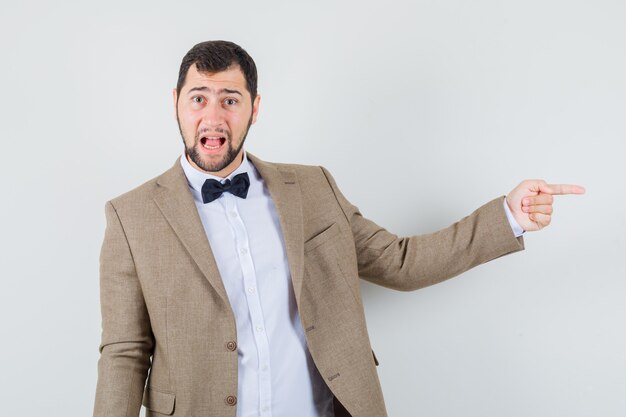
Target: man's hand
column 531, row 202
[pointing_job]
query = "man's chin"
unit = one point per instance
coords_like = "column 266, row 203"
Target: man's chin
column 209, row 163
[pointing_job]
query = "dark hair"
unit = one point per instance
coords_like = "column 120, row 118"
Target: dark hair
column 216, row 56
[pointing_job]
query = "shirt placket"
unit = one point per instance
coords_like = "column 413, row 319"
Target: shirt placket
column 254, row 304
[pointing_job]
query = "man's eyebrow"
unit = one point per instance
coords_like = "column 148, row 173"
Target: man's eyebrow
column 210, row 90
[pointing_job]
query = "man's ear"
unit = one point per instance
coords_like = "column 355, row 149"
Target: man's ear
column 255, row 107
column 175, row 97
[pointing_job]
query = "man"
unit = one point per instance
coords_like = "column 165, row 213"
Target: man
column 234, row 282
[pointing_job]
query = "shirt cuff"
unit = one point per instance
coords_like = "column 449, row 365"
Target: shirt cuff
column 517, row 229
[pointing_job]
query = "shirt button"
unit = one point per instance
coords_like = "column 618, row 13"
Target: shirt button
column 266, row 408
column 264, row 368
column 259, row 328
column 243, row 251
column 251, row 290
column 231, row 400
column 233, row 214
column 231, row 345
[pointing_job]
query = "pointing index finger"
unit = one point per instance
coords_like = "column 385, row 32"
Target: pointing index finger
column 561, row 189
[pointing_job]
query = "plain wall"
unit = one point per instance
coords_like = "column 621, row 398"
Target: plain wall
column 422, row 110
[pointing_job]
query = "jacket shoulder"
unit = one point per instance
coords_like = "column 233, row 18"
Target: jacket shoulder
column 302, row 171
column 139, row 193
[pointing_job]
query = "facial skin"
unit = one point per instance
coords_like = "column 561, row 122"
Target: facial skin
column 215, row 109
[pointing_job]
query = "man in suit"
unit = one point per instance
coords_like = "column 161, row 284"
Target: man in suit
column 230, row 285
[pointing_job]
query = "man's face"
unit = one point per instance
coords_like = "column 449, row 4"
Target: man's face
column 214, row 112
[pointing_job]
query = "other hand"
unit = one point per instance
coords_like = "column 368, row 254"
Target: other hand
column 531, row 202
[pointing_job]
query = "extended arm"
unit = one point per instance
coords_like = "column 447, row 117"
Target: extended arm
column 409, row 263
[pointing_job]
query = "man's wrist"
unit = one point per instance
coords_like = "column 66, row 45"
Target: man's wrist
column 517, row 229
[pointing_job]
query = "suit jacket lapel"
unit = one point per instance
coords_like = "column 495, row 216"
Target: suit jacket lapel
column 282, row 184
column 176, row 203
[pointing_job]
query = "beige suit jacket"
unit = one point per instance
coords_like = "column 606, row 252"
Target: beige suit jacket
column 168, row 331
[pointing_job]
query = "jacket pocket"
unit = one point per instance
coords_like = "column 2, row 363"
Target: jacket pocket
column 322, row 237
column 159, row 401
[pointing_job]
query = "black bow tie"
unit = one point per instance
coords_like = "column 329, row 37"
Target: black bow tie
column 212, row 189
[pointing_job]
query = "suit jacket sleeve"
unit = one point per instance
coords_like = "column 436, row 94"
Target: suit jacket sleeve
column 409, row 263
column 127, row 339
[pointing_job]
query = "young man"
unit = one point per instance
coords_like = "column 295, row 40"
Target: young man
column 239, row 278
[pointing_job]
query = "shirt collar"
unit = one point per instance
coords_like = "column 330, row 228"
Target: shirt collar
column 196, row 178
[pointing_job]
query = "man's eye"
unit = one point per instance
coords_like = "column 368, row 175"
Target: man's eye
column 197, row 99
column 230, row 101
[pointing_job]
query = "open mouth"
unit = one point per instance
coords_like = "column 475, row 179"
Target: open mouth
column 212, row 142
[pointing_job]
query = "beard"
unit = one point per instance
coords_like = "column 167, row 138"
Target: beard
column 231, row 153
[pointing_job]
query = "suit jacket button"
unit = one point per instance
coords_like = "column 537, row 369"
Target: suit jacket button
column 231, row 400
column 231, row 345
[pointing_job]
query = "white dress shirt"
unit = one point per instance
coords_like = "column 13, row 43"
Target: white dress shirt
column 517, row 229
column 276, row 374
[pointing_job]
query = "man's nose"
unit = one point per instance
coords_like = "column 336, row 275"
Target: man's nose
column 213, row 114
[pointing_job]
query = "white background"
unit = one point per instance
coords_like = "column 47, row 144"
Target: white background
column 422, row 111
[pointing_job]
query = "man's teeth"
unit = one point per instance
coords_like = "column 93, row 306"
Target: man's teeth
column 216, row 141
